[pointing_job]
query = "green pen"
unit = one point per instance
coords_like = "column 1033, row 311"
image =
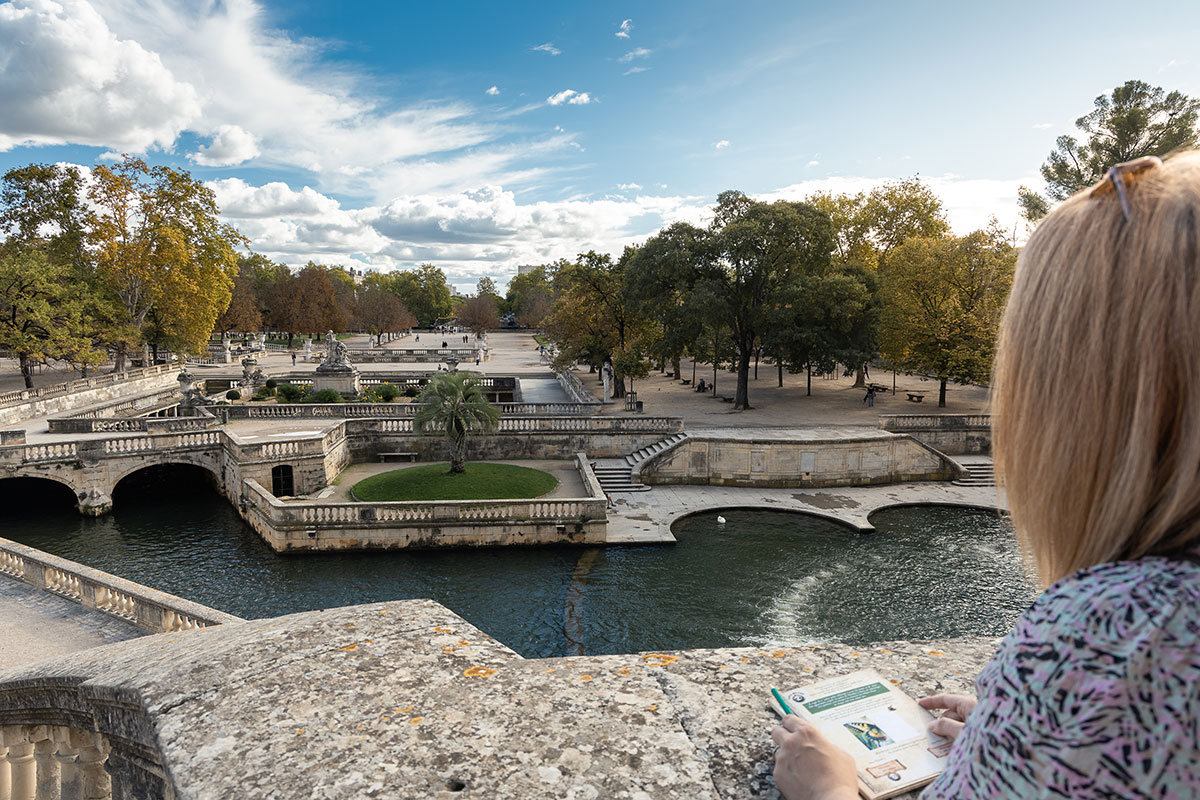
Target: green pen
column 782, row 703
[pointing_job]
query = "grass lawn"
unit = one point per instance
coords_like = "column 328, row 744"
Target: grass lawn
column 481, row 481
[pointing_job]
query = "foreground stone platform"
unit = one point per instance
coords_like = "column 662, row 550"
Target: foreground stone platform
column 405, row 699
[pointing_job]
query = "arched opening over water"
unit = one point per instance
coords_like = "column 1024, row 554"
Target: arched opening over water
column 160, row 484
column 26, row 498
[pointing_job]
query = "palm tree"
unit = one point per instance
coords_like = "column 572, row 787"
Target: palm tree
column 454, row 403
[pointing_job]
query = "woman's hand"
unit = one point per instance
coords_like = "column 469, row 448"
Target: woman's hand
column 958, row 708
column 810, row 767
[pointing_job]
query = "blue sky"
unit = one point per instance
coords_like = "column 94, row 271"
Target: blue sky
column 364, row 133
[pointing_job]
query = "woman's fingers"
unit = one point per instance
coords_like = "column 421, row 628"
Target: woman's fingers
column 960, row 704
column 944, row 726
column 792, row 723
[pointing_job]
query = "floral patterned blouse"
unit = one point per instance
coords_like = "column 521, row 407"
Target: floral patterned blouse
column 1094, row 694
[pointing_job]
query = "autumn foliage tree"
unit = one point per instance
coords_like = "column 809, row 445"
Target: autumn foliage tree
column 479, row 314
column 943, row 301
column 156, row 238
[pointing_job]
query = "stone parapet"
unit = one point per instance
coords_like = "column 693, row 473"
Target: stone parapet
column 149, row 609
column 405, row 699
column 385, row 410
column 809, row 458
column 64, row 398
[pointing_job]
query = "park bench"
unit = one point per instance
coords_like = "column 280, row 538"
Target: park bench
column 878, row 387
column 401, row 455
column 915, row 397
column 686, row 381
column 726, row 399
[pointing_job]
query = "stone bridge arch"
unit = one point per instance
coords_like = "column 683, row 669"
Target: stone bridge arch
column 68, row 478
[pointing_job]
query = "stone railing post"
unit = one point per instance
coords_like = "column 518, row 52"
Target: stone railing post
column 70, row 776
column 22, row 772
column 92, row 755
column 47, row 784
column 5, row 782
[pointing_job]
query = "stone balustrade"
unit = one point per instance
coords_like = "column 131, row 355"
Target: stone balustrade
column 575, row 389
column 441, row 523
column 952, row 434
column 148, row 609
column 70, row 387
column 384, row 410
column 53, row 762
column 133, row 425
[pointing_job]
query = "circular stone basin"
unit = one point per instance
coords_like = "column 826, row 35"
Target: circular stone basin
column 481, row 481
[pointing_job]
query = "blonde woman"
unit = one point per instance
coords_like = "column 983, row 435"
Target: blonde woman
column 1096, row 420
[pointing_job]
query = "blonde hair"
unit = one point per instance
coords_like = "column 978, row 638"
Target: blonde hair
column 1096, row 405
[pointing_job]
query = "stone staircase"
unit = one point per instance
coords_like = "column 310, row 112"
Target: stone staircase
column 616, row 475
column 982, row 472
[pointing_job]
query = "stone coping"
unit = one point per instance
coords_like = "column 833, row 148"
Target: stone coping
column 150, row 609
column 805, row 435
column 407, row 699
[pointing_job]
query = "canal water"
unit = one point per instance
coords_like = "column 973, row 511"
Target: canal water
column 761, row 577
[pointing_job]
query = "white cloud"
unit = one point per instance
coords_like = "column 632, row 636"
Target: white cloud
column 1041, row 126
column 493, row 91
column 637, row 52
column 571, row 97
column 721, row 145
column 548, row 47
column 65, row 76
column 635, row 70
column 230, row 146
column 625, row 187
column 626, row 27
column 813, row 163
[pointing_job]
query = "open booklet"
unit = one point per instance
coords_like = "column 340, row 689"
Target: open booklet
column 882, row 727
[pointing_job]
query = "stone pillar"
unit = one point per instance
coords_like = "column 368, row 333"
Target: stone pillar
column 47, row 785
column 96, row 783
column 5, row 783
column 94, row 503
column 71, row 777
column 21, row 768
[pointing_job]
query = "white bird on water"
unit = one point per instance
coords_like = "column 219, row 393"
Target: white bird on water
column 720, row 520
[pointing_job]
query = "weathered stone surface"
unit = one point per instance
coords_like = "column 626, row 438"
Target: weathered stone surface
column 405, row 699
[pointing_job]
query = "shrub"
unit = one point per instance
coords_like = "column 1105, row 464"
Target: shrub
column 325, row 396
column 233, row 394
column 290, row 392
column 272, row 383
column 387, row 392
column 411, row 391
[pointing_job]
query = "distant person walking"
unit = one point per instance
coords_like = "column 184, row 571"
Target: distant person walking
column 869, row 400
column 293, row 358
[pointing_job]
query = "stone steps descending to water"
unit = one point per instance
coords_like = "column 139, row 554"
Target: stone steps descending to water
column 982, row 473
column 617, row 475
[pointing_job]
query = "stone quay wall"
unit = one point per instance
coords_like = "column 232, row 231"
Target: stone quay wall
column 304, row 526
column 149, row 609
column 952, row 434
column 761, row 460
column 65, row 398
column 385, row 699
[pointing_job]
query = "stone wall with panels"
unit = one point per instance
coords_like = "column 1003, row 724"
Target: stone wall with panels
column 783, row 462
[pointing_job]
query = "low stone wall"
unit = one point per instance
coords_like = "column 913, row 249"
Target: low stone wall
column 952, row 434
column 300, row 526
column 575, row 389
column 407, row 699
column 149, row 609
column 386, row 410
column 12, row 437
column 64, row 398
column 756, row 458
column 132, row 424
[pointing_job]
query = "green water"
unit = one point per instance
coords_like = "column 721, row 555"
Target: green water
column 762, row 577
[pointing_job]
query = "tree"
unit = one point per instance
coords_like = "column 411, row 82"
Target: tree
column 943, row 301
column 41, row 205
column 1135, row 120
column 382, row 312
column 758, row 252
column 594, row 319
column 42, row 312
column 530, row 296
column 487, row 288
column 158, row 240
column 479, row 314
column 454, row 404
column 243, row 312
column 424, row 292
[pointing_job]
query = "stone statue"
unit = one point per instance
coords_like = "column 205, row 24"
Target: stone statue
column 606, row 375
column 192, row 396
column 251, row 374
column 337, row 357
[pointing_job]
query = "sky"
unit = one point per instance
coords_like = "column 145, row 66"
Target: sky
column 478, row 136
